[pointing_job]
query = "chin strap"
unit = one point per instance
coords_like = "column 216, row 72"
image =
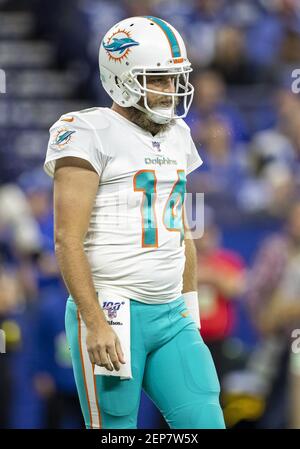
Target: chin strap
column 157, row 115
column 192, row 304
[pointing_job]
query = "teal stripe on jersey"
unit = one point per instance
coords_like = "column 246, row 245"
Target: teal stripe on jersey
column 170, row 35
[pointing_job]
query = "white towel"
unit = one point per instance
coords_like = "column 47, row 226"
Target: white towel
column 117, row 311
column 192, row 304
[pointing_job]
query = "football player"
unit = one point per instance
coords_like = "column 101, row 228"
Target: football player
column 119, row 187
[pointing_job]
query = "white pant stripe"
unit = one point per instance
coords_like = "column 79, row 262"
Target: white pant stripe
column 89, row 373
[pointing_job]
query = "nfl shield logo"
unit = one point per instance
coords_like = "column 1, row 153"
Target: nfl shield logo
column 112, row 313
column 156, row 145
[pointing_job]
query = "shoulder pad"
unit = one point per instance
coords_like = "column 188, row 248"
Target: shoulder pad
column 93, row 118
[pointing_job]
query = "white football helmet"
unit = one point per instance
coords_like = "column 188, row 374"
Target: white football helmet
column 142, row 47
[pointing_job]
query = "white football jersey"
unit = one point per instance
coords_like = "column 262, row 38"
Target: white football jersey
column 134, row 243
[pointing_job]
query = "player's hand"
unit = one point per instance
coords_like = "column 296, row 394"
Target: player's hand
column 104, row 347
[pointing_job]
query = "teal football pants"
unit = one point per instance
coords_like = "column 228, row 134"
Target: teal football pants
column 169, row 361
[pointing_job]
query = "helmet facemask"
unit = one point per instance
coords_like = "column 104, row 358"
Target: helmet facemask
column 135, row 82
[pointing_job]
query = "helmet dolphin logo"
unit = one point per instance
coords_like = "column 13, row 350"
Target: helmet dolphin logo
column 120, row 44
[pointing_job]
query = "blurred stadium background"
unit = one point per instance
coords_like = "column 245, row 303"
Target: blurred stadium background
column 245, row 121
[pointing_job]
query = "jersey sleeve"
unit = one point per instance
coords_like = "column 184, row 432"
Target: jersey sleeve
column 193, row 158
column 73, row 136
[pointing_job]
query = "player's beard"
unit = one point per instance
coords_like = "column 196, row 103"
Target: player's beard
column 141, row 119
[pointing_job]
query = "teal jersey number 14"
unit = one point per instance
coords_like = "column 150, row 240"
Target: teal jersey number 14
column 145, row 181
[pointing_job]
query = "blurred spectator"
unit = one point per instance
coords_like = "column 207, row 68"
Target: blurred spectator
column 207, row 17
column 290, row 48
column 266, row 34
column 19, row 234
column 224, row 169
column 294, row 135
column 16, row 221
column 288, row 10
column 20, row 245
column 10, row 297
column 210, row 99
column 53, row 375
column 231, row 59
column 274, row 304
column 221, row 280
column 135, row 9
column 274, row 161
column 268, row 272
